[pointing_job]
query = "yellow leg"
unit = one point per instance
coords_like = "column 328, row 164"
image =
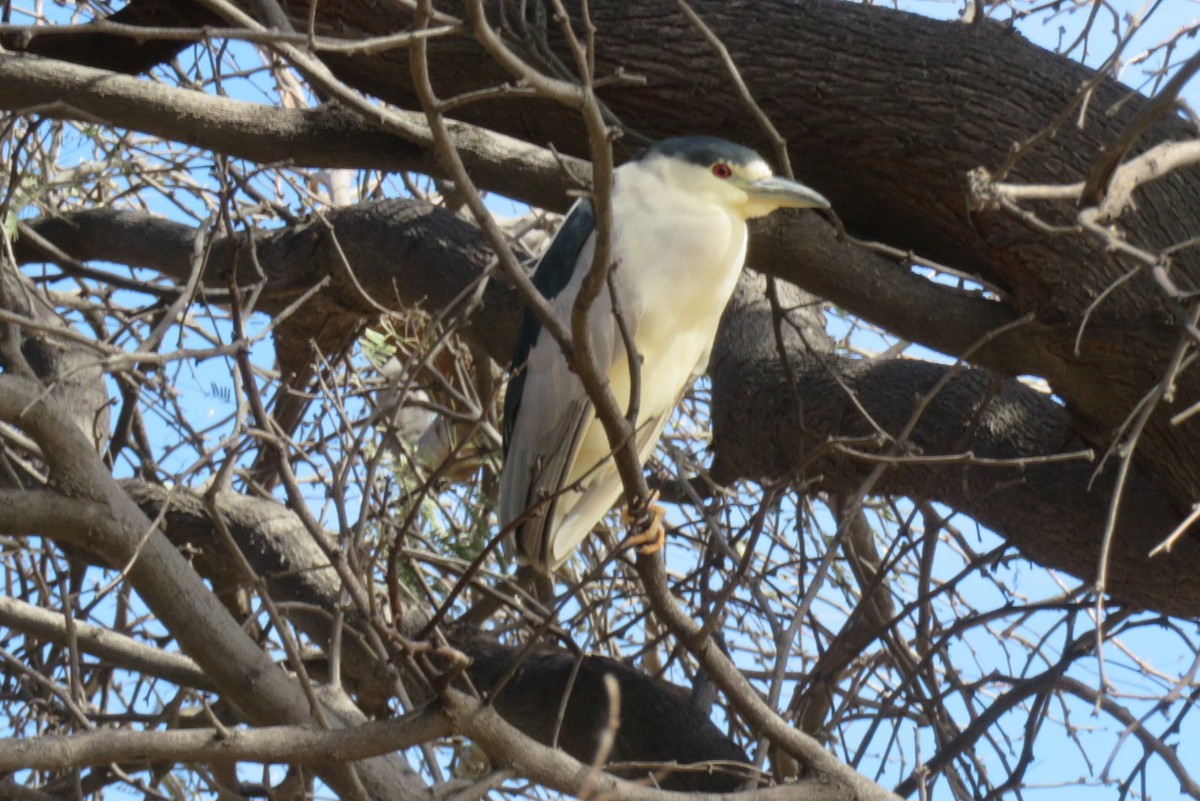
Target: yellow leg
column 646, row 520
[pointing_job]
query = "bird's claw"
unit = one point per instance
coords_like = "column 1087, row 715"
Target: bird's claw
column 646, row 521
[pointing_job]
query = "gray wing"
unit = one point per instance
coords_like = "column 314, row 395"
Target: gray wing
column 542, row 452
column 599, row 496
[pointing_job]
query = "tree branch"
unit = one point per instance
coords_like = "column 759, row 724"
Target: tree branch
column 443, row 254
column 118, row 649
column 291, row 744
column 658, row 725
column 124, row 537
column 324, row 137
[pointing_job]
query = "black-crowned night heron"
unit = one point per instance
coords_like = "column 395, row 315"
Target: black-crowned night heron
column 678, row 243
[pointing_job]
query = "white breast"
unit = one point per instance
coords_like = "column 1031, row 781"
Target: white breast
column 681, row 258
column 676, row 265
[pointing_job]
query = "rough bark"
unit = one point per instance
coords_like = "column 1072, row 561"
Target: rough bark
column 395, row 254
column 764, row 426
column 767, row 423
column 896, row 166
column 658, row 722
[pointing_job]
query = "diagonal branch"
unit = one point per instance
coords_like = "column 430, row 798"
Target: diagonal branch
column 108, row 645
column 125, row 538
column 323, row 137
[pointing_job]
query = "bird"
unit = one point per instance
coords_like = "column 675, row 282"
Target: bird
column 678, row 242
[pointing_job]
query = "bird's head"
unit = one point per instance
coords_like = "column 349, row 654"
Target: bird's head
column 732, row 175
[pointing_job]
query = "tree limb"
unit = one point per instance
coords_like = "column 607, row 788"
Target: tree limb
column 291, row 744
column 327, row 136
column 100, row 642
column 124, row 537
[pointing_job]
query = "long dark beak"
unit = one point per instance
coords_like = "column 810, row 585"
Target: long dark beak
column 784, row 193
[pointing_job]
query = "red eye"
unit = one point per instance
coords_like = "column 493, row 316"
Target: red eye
column 721, row 170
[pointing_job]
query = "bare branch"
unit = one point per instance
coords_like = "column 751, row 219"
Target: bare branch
column 295, row 744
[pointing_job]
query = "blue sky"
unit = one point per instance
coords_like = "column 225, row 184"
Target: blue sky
column 204, row 387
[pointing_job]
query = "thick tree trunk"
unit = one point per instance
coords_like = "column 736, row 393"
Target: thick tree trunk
column 896, row 165
column 763, row 425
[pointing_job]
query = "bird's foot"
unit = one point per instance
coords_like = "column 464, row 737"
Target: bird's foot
column 646, row 520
